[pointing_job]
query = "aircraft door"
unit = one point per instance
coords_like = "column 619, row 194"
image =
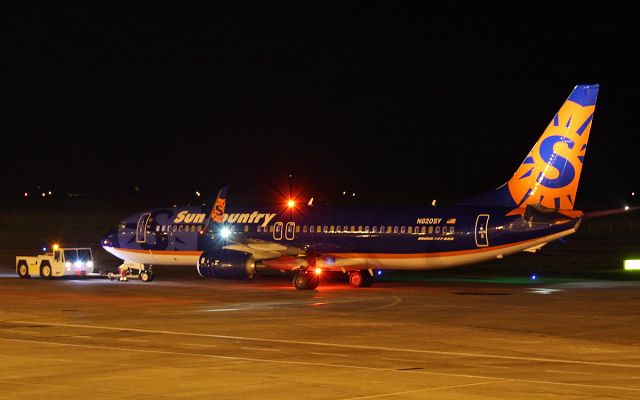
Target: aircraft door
column 277, row 231
column 141, row 229
column 290, row 230
column 482, row 230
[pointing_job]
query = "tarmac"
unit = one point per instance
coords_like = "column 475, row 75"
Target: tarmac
column 180, row 337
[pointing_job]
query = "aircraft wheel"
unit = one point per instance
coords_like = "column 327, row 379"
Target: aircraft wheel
column 146, row 276
column 45, row 270
column 23, row 270
column 367, row 279
column 357, row 279
column 313, row 282
column 304, row 281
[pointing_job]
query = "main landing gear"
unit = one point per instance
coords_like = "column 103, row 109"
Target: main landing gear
column 308, row 279
column 362, row 278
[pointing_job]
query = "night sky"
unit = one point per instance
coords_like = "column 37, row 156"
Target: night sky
column 400, row 102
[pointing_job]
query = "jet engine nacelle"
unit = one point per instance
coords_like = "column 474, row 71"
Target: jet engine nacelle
column 227, row 264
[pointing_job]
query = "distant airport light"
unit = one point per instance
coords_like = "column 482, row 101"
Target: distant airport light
column 379, row 272
column 197, row 193
column 225, row 232
column 631, row 265
column 44, row 249
column 318, row 271
column 49, row 192
column 533, row 277
column 344, row 193
column 26, row 194
column 633, row 193
column 291, row 203
column 626, row 208
column 353, row 195
column 43, row 194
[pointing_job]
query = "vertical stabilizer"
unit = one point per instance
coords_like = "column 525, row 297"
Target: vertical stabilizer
column 550, row 173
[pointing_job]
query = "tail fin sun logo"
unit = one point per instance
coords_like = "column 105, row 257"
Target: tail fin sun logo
column 218, row 210
column 550, row 173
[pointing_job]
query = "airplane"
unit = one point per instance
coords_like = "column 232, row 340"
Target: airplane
column 534, row 207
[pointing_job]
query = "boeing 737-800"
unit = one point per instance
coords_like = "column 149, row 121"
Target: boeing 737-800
column 534, row 207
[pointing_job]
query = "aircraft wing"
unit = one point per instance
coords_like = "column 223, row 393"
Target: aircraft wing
column 290, row 257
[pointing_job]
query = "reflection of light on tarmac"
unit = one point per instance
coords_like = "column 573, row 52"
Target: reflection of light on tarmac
column 543, row 290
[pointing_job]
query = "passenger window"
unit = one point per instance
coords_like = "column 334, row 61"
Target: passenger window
column 382, row 229
column 359, row 228
column 444, row 229
column 305, row 228
column 374, row 229
column 332, row 229
column 437, row 229
column 451, row 230
column 325, row 229
column 175, row 228
column 259, row 229
column 389, row 229
column 423, row 230
column 431, row 229
column 409, row 230
column 338, row 229
column 345, row 228
column 271, row 228
column 366, row 229
column 199, row 228
column 180, row 228
column 416, row 229
column 403, row 229
column 157, row 228
column 246, row 228
column 353, row 228
column 312, row 228
column 297, row 228
column 318, row 229
column 395, row 229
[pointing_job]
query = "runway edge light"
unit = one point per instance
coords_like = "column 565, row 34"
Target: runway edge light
column 632, row 265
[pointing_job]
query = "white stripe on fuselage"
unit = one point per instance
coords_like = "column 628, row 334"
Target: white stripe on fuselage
column 189, row 258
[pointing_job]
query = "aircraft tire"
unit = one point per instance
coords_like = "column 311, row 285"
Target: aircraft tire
column 146, row 276
column 360, row 279
column 304, row 281
column 23, row 270
column 313, row 282
column 367, row 279
column 45, row 270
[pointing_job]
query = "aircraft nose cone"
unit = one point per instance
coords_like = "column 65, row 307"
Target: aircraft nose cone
column 110, row 240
